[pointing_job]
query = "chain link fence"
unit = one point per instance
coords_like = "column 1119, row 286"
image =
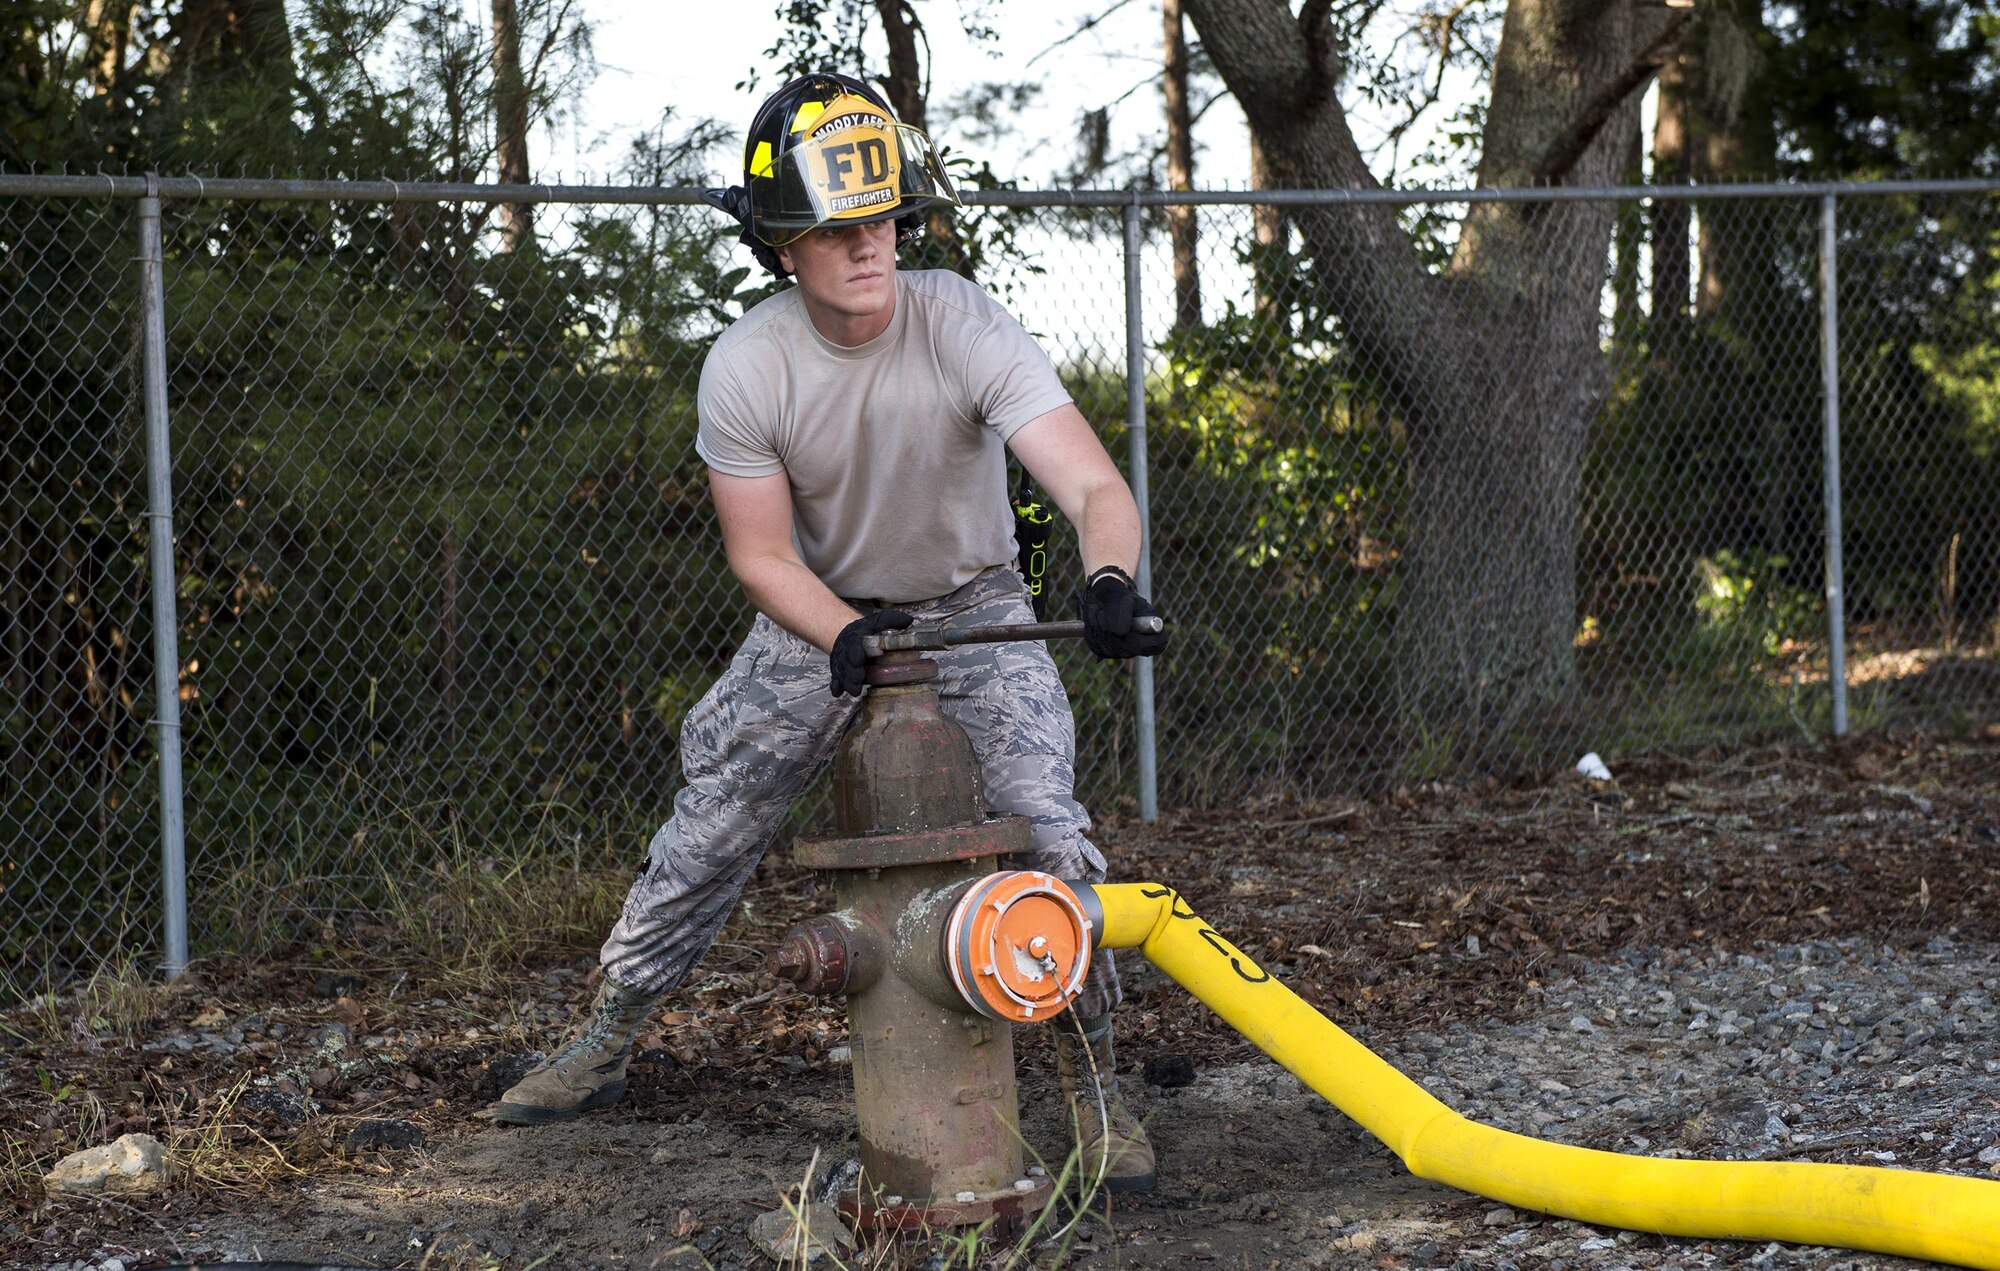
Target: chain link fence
column 1436, row 487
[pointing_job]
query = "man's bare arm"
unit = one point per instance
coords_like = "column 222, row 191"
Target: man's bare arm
column 1061, row 451
column 756, row 517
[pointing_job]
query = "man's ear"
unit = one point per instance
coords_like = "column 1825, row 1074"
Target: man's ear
column 785, row 259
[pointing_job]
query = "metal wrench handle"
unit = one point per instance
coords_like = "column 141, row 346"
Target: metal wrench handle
column 933, row 636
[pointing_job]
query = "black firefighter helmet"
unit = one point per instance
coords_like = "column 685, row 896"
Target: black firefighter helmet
column 826, row 149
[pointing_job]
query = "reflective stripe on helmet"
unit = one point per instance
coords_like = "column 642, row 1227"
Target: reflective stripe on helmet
column 808, row 111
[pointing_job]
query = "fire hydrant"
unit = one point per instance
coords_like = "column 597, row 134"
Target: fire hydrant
column 939, row 956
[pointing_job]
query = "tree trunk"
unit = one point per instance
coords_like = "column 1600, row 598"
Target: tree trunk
column 1739, row 293
column 1672, row 166
column 109, row 26
column 1181, row 223
column 1269, row 266
column 1493, row 367
column 1628, row 243
column 1267, row 229
column 510, row 125
column 906, row 85
column 1737, row 141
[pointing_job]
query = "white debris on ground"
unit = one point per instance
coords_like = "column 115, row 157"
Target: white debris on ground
column 1592, row 767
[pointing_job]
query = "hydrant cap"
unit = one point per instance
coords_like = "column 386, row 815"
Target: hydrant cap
column 1017, row 945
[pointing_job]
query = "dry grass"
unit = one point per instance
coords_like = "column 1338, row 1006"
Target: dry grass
column 213, row 1153
column 117, row 1003
column 471, row 917
column 986, row 1247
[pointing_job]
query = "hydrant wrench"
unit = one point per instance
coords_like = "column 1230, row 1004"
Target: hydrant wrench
column 928, row 636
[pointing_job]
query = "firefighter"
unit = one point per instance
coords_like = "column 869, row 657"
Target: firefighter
column 856, row 429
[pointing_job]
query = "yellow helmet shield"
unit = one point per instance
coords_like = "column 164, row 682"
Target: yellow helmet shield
column 852, row 162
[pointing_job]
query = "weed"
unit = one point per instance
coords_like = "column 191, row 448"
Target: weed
column 208, row 1154
column 470, row 915
column 116, row 1002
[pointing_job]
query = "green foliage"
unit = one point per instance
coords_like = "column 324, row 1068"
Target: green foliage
column 1747, row 606
column 449, row 582
column 1865, row 89
column 1277, row 482
column 441, row 532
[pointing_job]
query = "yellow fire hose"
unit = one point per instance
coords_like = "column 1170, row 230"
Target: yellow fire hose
column 1916, row 1215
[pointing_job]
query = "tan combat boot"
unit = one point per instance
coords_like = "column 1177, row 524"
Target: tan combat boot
column 1123, row 1161
column 588, row 1072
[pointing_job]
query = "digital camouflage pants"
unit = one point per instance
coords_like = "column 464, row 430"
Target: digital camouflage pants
column 768, row 728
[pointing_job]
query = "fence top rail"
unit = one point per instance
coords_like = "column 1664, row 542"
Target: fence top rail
column 51, row 185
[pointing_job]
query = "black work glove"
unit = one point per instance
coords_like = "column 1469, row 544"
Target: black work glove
column 846, row 660
column 1107, row 604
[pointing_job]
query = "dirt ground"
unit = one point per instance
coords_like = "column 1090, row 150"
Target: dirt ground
column 1779, row 952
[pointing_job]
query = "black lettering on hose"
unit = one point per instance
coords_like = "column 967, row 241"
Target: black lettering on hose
column 1177, row 909
column 1221, row 946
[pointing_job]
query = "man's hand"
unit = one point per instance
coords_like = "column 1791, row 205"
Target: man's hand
column 846, row 658
column 1107, row 604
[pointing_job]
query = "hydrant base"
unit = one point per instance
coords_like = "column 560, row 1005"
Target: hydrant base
column 927, row 1213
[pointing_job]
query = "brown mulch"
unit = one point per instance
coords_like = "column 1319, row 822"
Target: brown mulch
column 1372, row 909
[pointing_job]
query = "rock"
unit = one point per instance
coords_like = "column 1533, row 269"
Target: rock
column 383, row 1134
column 337, row 984
column 838, row 1182
column 1169, row 1072
column 803, row 1236
column 502, row 1073
column 1249, row 1207
column 1990, row 1156
column 332, row 1039
column 286, row 1107
column 1500, row 1217
column 131, row 1165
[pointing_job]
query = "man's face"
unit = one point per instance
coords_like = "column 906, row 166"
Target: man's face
column 848, row 269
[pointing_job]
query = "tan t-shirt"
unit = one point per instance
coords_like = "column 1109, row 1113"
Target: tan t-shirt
column 894, row 448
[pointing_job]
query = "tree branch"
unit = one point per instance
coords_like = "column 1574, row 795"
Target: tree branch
column 1570, row 144
column 1084, row 28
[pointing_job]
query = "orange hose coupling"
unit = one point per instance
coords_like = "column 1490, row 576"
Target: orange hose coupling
column 1017, row 945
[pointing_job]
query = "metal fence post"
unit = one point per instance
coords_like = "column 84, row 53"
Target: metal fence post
column 1829, row 341
column 1135, row 429
column 160, row 555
